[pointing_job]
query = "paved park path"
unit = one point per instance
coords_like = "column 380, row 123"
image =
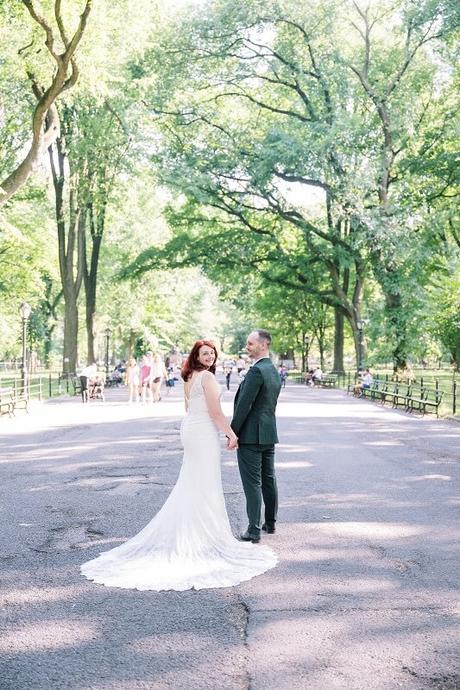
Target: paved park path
column 365, row 595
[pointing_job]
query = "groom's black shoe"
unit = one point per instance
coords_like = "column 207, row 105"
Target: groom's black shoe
column 255, row 538
column 268, row 528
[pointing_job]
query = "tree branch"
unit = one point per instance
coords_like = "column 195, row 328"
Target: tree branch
column 60, row 82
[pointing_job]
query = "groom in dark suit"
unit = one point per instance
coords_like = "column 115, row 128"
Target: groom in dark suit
column 255, row 425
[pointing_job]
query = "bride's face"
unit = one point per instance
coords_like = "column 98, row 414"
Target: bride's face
column 206, row 356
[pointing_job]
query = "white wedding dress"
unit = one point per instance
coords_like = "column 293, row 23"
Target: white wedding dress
column 189, row 543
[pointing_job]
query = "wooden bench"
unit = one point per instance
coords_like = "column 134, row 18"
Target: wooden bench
column 426, row 398
column 327, row 381
column 10, row 400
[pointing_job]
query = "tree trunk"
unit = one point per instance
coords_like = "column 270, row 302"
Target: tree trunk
column 398, row 326
column 322, row 349
column 338, row 367
column 48, row 308
column 90, row 278
column 70, row 248
column 47, row 346
column 305, row 351
column 70, row 354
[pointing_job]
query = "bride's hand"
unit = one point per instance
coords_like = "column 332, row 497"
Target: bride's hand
column 232, row 442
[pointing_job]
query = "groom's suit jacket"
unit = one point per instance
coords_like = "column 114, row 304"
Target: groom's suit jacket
column 255, row 404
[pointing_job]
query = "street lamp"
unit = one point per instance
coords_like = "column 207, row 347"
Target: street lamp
column 24, row 310
column 108, row 333
column 360, row 325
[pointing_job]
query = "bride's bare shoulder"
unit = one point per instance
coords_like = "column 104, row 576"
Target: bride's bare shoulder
column 207, row 378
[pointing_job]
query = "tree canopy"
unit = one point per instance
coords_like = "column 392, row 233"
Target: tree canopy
column 299, row 162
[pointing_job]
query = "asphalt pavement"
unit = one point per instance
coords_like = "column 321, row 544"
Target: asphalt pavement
column 365, row 596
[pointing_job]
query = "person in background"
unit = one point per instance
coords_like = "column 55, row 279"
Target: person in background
column 157, row 374
column 145, row 377
column 228, row 375
column 283, row 372
column 170, row 380
column 309, row 378
column 132, row 378
column 86, row 374
column 366, row 382
column 317, row 376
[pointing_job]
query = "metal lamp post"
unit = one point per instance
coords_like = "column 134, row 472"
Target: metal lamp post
column 24, row 310
column 108, row 333
column 360, row 324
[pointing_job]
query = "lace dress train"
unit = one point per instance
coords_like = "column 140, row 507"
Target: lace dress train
column 189, row 542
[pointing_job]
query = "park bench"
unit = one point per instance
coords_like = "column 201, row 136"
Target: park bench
column 10, row 400
column 327, row 381
column 401, row 394
column 427, row 398
column 76, row 385
column 378, row 390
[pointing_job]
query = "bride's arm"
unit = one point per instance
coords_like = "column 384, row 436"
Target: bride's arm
column 211, row 394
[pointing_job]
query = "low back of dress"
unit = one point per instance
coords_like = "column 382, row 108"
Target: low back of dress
column 196, row 399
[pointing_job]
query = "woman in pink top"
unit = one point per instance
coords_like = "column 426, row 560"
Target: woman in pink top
column 145, row 375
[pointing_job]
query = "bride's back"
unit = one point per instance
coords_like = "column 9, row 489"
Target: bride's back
column 196, row 401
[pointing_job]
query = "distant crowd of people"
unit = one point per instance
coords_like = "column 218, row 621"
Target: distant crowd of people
column 145, row 376
column 144, row 379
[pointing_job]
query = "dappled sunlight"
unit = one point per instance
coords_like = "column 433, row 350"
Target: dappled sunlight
column 192, row 641
column 56, row 416
column 363, row 585
column 425, row 477
column 293, row 448
column 372, row 530
column 383, row 443
column 312, row 553
column 13, row 597
column 323, row 410
column 48, row 635
column 292, row 464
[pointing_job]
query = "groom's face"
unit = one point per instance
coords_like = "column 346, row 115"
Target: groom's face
column 254, row 346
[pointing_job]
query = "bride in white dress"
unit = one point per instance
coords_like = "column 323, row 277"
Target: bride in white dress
column 189, row 543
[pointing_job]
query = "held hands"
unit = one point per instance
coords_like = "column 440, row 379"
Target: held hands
column 232, row 442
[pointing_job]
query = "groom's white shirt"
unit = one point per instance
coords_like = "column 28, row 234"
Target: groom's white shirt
column 258, row 360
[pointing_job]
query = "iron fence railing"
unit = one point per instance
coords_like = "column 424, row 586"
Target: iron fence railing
column 47, row 384
column 447, row 382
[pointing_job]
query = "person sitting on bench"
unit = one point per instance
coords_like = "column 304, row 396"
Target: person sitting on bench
column 366, row 382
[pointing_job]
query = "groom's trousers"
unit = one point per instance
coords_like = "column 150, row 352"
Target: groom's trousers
column 257, row 469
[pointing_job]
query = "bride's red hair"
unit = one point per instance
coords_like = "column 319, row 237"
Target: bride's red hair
column 192, row 363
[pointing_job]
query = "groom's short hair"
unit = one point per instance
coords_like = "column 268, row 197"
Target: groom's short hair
column 264, row 335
